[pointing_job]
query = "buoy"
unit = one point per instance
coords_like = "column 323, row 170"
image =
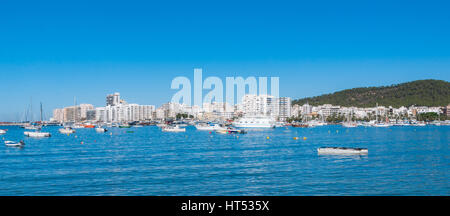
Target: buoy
column 304, row 138
column 295, row 138
column 268, row 137
column 82, row 142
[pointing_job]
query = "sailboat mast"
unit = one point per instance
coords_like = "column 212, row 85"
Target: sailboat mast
column 41, row 112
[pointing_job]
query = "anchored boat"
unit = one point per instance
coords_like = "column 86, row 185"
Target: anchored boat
column 173, row 129
column 342, row 151
column 66, row 130
column 14, row 144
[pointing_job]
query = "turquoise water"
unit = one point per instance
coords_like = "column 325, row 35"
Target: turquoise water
column 401, row 161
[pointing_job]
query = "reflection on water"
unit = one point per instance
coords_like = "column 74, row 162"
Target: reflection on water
column 401, row 161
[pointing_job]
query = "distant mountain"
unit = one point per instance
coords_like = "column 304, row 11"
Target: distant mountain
column 420, row 93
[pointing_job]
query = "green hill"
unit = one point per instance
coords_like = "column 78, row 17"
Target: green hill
column 420, row 93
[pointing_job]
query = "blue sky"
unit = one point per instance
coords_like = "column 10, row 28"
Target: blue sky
column 55, row 50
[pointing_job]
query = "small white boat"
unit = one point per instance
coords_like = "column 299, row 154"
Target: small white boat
column 381, row 125
column 78, row 126
column 221, row 130
column 173, row 129
column 14, row 144
column 36, row 134
column 66, row 130
column 32, row 127
column 349, row 124
column 138, row 126
column 2, row 131
column 100, row 130
column 161, row 125
column 342, row 151
column 205, row 127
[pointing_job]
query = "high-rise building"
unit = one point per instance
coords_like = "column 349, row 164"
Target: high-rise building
column 285, row 108
column 113, row 99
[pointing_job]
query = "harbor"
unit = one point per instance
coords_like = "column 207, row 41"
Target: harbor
column 265, row 161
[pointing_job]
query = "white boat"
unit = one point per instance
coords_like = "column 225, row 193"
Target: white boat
column 32, row 127
column 66, row 130
column 315, row 123
column 419, row 124
column 382, row 125
column 100, row 130
column 36, row 134
column 14, row 144
column 207, row 127
column 173, row 129
column 349, row 124
column 342, row 151
column 77, row 126
column 221, row 130
column 2, row 131
column 254, row 122
column 161, row 125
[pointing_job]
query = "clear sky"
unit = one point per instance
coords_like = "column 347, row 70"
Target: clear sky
column 51, row 51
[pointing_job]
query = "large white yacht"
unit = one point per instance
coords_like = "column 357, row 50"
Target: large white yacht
column 255, row 122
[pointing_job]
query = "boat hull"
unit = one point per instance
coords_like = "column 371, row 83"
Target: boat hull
column 342, row 151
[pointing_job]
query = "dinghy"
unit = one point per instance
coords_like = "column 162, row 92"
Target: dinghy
column 2, row 131
column 342, row 151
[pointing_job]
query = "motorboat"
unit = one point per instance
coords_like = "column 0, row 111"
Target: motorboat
column 66, row 130
column 89, row 126
column 77, row 126
column 316, row 123
column 349, row 124
column 125, row 126
column 31, row 127
column 37, row 134
column 100, row 130
column 254, row 122
column 173, row 129
column 14, row 144
column 2, row 131
column 382, row 125
column 342, row 151
column 207, row 127
column 161, row 125
column 236, row 131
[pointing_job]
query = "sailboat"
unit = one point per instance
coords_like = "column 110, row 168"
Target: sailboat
column 37, row 133
column 380, row 124
column 349, row 123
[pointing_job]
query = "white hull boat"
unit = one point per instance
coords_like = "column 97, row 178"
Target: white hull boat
column 173, row 129
column 381, row 125
column 100, row 130
column 254, row 122
column 207, row 127
column 36, row 134
column 2, row 132
column 349, row 125
column 31, row 128
column 342, row 151
column 14, row 144
column 66, row 130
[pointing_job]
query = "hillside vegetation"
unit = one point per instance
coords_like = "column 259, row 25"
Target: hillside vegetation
column 420, row 93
